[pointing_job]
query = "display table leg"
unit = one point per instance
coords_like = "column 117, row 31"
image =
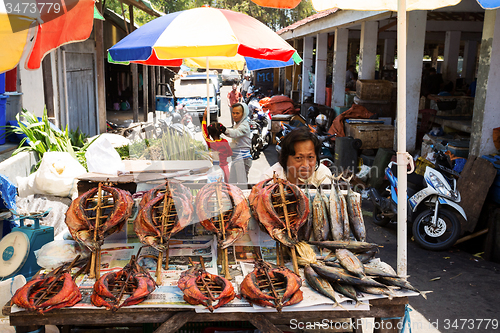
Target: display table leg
column 263, row 324
column 174, row 323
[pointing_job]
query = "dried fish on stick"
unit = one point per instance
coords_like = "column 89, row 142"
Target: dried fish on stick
column 201, row 287
column 46, row 292
column 223, row 209
column 111, row 289
column 268, row 285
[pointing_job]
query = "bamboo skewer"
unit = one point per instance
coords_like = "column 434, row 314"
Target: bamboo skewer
column 223, row 232
column 285, row 211
column 95, row 263
column 166, row 208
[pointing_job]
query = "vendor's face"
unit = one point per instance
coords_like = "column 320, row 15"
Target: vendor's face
column 303, row 163
column 237, row 113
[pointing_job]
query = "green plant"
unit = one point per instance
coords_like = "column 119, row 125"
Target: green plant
column 77, row 137
column 42, row 136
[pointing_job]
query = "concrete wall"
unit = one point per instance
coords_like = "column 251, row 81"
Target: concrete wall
column 18, row 166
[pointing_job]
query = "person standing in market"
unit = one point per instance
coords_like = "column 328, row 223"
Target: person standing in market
column 350, row 78
column 234, row 96
column 244, row 86
column 240, row 144
column 211, row 134
column 299, row 159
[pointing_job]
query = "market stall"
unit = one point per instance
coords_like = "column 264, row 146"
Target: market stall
column 186, row 240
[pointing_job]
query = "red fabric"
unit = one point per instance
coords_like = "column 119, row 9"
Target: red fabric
column 234, row 97
column 281, row 105
column 356, row 112
column 286, row 4
column 73, row 26
column 222, row 146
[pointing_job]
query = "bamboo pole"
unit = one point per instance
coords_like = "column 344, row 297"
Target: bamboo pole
column 225, row 263
column 94, row 261
column 285, row 211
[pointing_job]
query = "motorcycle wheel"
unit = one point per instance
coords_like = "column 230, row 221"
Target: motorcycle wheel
column 378, row 219
column 254, row 149
column 267, row 140
column 440, row 238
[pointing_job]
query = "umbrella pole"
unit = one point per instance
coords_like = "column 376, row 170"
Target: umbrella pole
column 208, row 95
column 402, row 160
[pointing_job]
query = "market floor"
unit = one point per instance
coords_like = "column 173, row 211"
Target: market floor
column 464, row 287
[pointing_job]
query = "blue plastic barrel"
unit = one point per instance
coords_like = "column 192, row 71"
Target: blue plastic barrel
column 3, row 106
column 2, row 83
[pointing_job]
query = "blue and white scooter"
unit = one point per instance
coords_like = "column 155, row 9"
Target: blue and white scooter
column 433, row 199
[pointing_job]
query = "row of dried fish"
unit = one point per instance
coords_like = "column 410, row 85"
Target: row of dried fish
column 347, row 273
column 334, row 217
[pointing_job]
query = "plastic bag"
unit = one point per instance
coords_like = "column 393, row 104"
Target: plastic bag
column 56, row 176
column 59, row 252
column 103, row 158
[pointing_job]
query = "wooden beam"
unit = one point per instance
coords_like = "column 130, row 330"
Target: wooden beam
column 145, row 95
column 388, row 26
column 174, row 323
column 152, row 91
column 101, row 77
column 48, row 88
column 476, row 234
column 140, row 5
column 135, row 75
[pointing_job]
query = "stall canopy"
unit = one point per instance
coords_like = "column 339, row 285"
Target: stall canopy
column 71, row 23
column 320, row 5
column 203, row 35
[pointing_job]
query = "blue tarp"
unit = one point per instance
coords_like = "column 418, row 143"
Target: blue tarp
column 8, row 192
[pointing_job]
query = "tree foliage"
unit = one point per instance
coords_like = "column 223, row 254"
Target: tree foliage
column 272, row 17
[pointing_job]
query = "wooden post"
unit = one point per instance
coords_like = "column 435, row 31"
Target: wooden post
column 135, row 75
column 152, row 91
column 99, row 64
column 145, row 95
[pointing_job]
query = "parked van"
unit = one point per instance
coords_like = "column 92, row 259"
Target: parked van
column 191, row 93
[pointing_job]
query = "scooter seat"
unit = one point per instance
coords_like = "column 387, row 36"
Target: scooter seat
column 415, row 181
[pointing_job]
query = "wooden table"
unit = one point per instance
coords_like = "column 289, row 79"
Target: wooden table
column 173, row 319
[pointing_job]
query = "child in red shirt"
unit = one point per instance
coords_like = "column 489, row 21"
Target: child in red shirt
column 212, row 137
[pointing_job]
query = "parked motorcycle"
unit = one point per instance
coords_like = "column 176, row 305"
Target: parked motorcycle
column 260, row 126
column 430, row 197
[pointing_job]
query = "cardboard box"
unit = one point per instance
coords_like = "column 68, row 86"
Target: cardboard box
column 376, row 90
column 373, row 136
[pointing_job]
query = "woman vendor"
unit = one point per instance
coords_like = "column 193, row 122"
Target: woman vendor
column 299, row 159
column 240, row 144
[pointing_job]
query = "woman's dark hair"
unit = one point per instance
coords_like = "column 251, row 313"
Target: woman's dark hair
column 297, row 135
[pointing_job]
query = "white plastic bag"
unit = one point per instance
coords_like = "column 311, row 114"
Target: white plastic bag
column 57, row 174
column 58, row 252
column 103, row 158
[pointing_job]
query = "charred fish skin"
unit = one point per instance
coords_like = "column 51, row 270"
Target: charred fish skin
column 353, row 246
column 319, row 284
column 355, row 215
column 333, row 274
column 336, row 225
column 350, row 262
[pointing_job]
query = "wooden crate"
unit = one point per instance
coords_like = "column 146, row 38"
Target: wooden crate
column 373, row 136
column 375, row 90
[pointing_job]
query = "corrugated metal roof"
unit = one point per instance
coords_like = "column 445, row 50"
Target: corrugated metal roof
column 307, row 20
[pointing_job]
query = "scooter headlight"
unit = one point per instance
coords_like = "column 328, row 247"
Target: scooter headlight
column 441, row 187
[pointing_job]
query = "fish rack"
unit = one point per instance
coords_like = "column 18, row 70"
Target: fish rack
column 45, row 293
column 98, row 208
column 221, row 208
column 209, row 288
column 285, row 204
column 274, row 287
column 125, row 285
column 164, row 216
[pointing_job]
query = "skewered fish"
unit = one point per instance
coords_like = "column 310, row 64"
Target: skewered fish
column 271, row 286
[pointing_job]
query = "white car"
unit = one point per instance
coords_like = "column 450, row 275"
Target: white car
column 230, row 76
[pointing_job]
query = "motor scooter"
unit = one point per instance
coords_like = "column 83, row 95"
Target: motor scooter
column 260, row 127
column 432, row 202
